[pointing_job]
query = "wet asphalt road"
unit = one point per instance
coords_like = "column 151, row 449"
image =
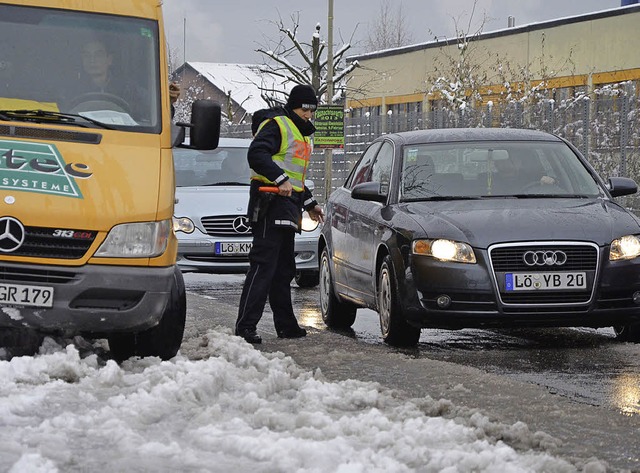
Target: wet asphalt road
column 584, row 365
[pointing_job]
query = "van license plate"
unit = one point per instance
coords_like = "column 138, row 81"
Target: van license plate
column 232, row 248
column 545, row 281
column 18, row 294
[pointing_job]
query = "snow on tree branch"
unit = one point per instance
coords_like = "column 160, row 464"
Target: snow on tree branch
column 299, row 62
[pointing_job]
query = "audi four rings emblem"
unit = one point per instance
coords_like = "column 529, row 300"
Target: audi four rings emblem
column 545, row 258
column 11, row 234
column 241, row 225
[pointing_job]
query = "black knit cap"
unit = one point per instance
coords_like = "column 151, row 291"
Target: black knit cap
column 302, row 96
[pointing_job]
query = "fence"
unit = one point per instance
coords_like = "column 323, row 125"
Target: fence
column 604, row 128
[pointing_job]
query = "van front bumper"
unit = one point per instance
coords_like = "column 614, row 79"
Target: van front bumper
column 92, row 299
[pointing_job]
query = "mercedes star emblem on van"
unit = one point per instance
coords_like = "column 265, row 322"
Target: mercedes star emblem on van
column 11, row 234
column 39, row 167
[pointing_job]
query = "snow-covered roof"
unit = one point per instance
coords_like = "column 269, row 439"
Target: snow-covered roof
column 243, row 81
column 499, row 32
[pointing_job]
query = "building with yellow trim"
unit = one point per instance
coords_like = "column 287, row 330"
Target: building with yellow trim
column 561, row 57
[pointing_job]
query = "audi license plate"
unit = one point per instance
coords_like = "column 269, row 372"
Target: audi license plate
column 232, row 248
column 545, row 281
column 18, row 294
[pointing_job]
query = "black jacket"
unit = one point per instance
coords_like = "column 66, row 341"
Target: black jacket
column 266, row 143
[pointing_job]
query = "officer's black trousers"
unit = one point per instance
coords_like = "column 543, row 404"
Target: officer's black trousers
column 272, row 267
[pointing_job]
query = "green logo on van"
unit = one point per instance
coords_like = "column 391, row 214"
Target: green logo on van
column 38, row 167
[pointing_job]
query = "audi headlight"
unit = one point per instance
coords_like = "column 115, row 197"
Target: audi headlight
column 308, row 224
column 626, row 247
column 136, row 240
column 183, row 224
column 445, row 250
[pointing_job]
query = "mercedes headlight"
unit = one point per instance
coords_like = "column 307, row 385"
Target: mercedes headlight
column 445, row 250
column 183, row 224
column 136, row 240
column 308, row 224
column 626, row 247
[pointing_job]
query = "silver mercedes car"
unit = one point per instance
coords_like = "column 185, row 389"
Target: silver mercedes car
column 210, row 216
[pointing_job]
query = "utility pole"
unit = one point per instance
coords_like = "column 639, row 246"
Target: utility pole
column 328, row 153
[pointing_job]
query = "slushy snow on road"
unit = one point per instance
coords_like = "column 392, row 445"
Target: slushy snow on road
column 237, row 410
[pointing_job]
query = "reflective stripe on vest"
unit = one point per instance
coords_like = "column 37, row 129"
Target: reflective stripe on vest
column 293, row 156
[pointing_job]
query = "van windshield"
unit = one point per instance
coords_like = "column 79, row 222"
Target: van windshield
column 104, row 68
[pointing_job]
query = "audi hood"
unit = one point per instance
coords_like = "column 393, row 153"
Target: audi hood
column 488, row 221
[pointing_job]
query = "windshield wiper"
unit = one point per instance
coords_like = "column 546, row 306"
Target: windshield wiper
column 229, row 183
column 444, row 197
column 44, row 116
column 549, row 196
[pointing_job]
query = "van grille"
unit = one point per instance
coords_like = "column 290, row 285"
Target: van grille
column 48, row 134
column 34, row 275
column 41, row 242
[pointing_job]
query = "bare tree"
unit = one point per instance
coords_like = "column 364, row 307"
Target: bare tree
column 465, row 72
column 172, row 54
column 389, row 30
column 460, row 71
column 296, row 61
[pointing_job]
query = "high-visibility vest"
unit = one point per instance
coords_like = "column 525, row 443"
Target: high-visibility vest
column 293, row 156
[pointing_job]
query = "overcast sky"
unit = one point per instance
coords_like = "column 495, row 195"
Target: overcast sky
column 230, row 31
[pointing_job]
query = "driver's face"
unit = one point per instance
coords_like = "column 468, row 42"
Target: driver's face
column 95, row 59
column 506, row 167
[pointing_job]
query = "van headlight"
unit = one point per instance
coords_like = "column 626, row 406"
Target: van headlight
column 445, row 250
column 136, row 240
column 183, row 224
column 626, row 247
column 308, row 224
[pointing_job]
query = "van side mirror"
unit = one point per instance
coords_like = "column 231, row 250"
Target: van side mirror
column 204, row 129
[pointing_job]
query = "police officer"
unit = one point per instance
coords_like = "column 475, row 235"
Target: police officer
column 278, row 156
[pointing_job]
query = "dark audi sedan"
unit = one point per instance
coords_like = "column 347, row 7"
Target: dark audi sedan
column 462, row 228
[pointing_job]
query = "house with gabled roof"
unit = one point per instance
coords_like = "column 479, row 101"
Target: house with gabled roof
column 241, row 89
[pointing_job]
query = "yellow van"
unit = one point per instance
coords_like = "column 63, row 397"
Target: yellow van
column 86, row 174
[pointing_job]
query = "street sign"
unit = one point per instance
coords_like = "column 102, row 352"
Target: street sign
column 329, row 123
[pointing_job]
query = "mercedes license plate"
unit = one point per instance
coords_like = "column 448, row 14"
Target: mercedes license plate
column 232, row 248
column 545, row 281
column 18, row 294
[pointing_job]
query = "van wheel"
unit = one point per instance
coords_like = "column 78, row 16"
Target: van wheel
column 335, row 313
column 164, row 339
column 307, row 279
column 394, row 327
column 20, row 341
column 628, row 333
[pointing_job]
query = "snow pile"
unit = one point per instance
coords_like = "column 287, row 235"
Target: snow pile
column 238, row 410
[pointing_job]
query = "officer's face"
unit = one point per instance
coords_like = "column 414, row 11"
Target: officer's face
column 305, row 113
